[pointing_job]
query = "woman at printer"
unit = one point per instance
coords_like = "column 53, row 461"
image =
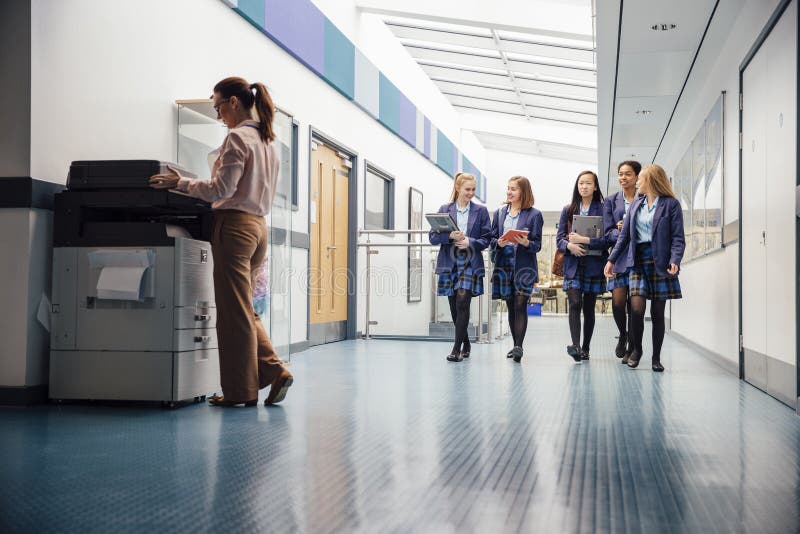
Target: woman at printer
column 460, row 262
column 516, row 268
column 241, row 190
column 583, row 274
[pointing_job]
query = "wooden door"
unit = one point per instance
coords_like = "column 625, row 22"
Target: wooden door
column 328, row 280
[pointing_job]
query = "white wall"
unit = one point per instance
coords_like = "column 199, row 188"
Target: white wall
column 104, row 81
column 710, row 284
column 552, row 180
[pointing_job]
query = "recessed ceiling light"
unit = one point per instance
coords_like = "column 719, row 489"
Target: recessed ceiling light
column 644, row 111
column 663, row 27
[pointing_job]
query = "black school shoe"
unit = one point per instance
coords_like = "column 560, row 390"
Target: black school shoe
column 455, row 357
column 510, row 354
column 622, row 345
column 634, row 359
column 584, row 354
column 574, row 352
column 517, row 354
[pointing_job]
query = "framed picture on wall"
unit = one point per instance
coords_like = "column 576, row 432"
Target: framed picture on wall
column 415, row 213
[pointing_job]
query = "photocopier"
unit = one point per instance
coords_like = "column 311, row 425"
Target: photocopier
column 133, row 314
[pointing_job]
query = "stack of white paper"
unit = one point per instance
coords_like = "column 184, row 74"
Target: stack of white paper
column 121, row 272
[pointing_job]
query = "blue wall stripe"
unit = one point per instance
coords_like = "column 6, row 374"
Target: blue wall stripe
column 301, row 29
column 339, row 61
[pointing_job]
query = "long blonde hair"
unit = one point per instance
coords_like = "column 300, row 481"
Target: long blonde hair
column 458, row 181
column 657, row 181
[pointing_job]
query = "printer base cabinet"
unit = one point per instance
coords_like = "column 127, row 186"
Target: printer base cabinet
column 133, row 376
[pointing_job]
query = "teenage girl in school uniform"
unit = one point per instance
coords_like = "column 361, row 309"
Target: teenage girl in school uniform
column 654, row 230
column 583, row 273
column 516, row 268
column 614, row 210
column 460, row 263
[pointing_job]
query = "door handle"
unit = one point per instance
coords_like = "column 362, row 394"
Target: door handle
column 331, row 247
column 201, row 339
column 202, row 317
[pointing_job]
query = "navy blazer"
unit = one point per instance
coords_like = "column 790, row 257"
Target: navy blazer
column 613, row 210
column 526, row 267
column 478, row 231
column 668, row 241
column 593, row 265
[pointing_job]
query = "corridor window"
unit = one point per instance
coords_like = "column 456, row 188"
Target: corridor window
column 378, row 200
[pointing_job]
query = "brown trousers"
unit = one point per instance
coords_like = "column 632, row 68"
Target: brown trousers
column 247, row 360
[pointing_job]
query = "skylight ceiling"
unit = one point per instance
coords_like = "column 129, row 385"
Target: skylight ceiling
column 535, row 77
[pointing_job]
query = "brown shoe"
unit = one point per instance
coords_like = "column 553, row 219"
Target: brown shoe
column 219, row 400
column 278, row 389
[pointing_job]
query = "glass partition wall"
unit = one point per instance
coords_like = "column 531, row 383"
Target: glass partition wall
column 199, row 135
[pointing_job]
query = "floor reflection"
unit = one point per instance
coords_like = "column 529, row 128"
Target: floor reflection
column 387, row 436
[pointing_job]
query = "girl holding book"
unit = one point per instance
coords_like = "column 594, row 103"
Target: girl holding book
column 460, row 263
column 516, row 268
column 584, row 257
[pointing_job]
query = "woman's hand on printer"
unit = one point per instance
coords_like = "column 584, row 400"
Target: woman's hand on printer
column 167, row 180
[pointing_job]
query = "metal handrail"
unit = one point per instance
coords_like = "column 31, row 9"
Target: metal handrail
column 392, row 232
column 369, row 246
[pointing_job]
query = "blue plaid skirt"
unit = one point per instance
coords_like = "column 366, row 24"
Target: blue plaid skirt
column 504, row 284
column 587, row 284
column 645, row 282
column 461, row 277
column 618, row 280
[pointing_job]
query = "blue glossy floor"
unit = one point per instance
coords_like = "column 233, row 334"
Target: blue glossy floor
column 386, row 436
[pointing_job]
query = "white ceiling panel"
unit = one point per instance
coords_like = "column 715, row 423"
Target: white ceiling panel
column 637, row 77
column 487, row 105
column 585, row 55
column 551, row 71
column 636, row 135
column 533, row 84
column 689, row 17
column 559, row 103
column 476, row 90
column 454, row 58
column 583, row 42
column 562, row 116
column 418, row 33
column 484, row 111
column 645, row 110
column 642, row 154
column 468, row 75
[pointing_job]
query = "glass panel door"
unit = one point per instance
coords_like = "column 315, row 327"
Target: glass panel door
column 279, row 258
column 200, row 133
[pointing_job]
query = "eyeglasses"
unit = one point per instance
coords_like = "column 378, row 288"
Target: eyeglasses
column 218, row 104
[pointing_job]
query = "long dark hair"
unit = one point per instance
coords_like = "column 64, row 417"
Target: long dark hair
column 575, row 205
column 250, row 94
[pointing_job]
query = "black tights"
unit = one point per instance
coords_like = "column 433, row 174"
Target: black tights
column 580, row 301
column 621, row 307
column 638, row 307
column 459, row 311
column 518, row 318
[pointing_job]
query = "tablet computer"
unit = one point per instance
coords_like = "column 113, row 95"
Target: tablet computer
column 588, row 226
column 441, row 222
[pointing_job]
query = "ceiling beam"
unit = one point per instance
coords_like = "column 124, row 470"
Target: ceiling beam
column 511, row 90
column 519, row 127
column 477, row 14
